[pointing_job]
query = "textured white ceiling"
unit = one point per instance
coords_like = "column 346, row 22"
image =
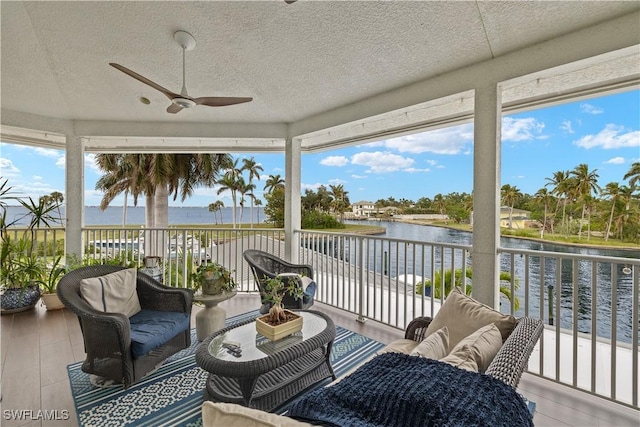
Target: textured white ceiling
column 295, row 60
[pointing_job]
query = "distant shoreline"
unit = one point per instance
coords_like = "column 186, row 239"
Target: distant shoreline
column 534, row 239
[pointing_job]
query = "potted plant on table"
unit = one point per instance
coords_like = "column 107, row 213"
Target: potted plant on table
column 279, row 322
column 213, row 278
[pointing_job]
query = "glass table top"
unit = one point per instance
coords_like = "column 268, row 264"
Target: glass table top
column 255, row 346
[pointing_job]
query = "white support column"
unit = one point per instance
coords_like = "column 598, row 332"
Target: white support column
column 486, row 194
column 292, row 204
column 74, row 194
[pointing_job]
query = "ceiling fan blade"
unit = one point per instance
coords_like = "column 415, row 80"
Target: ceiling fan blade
column 220, row 101
column 174, row 108
column 145, row 80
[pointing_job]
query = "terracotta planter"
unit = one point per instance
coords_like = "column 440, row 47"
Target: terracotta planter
column 52, row 302
column 275, row 333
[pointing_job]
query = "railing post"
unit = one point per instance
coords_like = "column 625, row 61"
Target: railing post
column 550, row 298
column 361, row 318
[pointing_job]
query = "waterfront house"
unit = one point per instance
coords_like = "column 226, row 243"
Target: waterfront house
column 322, row 75
column 363, row 209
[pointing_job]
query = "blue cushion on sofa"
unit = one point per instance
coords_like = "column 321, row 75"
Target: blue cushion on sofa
column 151, row 329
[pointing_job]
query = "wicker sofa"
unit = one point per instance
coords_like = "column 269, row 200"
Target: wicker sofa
column 507, row 366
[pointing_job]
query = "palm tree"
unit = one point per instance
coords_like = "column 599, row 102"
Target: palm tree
column 157, row 176
column 611, row 190
column 253, row 168
column 544, row 197
column 258, row 203
column 510, row 196
column 586, row 183
column 633, row 175
column 340, row 199
column 440, row 204
column 560, row 182
column 215, row 207
column 273, row 182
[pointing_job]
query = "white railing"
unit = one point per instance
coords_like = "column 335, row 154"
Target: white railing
column 590, row 304
column 375, row 278
column 128, row 246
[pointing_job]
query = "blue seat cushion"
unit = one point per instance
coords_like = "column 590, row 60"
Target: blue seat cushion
column 151, row 329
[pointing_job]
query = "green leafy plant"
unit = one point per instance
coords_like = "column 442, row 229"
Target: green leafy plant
column 276, row 289
column 435, row 289
column 52, row 276
column 213, row 278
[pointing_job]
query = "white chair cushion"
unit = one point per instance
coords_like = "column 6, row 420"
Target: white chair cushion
column 463, row 315
column 475, row 352
column 232, row 415
column 434, row 346
column 112, row 293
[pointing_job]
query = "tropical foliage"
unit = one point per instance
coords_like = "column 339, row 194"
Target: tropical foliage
column 435, row 289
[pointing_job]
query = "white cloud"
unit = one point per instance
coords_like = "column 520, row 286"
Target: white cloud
column 612, row 136
column 451, row 140
column 381, row 162
column 36, row 178
column 9, row 170
column 521, row 129
column 590, row 109
column 413, row 170
column 615, row 161
column 334, row 161
column 358, row 176
column 313, row 187
column 337, row 181
column 48, row 152
column 440, row 167
column 432, row 162
column 566, row 127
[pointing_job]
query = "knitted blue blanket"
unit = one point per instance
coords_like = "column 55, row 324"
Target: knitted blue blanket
column 399, row 390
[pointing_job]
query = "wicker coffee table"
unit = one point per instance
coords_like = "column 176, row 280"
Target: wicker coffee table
column 267, row 374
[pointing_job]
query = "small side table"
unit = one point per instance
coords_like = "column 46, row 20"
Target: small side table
column 211, row 318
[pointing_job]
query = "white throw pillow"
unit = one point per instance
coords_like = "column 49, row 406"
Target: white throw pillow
column 435, row 346
column 402, row 345
column 463, row 315
column 112, row 293
column 232, row 415
column 475, row 352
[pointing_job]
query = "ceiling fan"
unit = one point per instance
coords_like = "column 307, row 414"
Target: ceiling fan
column 183, row 100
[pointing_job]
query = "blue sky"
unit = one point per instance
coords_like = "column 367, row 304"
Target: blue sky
column 602, row 132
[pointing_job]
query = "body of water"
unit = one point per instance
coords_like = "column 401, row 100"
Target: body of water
column 113, row 215
column 541, row 281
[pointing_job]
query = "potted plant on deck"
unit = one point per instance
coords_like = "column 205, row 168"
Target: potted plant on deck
column 49, row 283
column 213, row 278
column 23, row 262
column 279, row 322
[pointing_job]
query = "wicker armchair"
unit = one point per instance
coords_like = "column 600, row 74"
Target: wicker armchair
column 513, row 357
column 265, row 266
column 107, row 336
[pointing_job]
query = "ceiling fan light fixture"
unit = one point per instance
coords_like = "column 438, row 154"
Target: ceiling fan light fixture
column 184, row 102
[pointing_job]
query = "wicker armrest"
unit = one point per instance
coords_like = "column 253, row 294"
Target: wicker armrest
column 417, row 328
column 155, row 296
column 302, row 269
column 513, row 357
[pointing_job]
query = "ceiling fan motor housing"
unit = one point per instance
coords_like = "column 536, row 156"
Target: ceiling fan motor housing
column 184, row 102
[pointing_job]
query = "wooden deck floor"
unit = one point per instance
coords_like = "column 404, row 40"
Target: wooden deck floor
column 36, row 346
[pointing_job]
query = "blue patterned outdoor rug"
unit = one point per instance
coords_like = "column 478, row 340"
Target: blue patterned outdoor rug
column 172, row 396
